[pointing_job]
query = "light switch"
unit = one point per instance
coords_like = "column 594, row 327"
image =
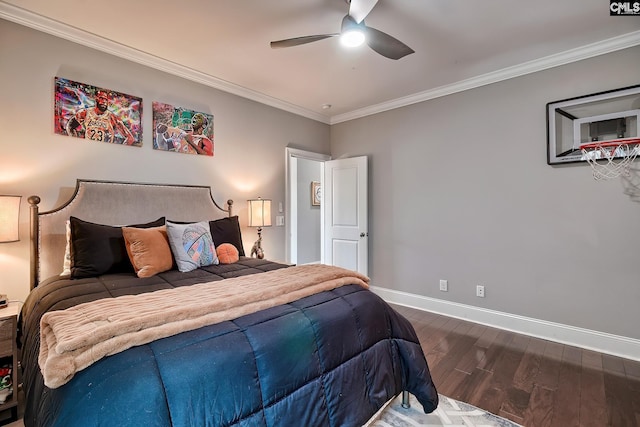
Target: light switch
column 279, row 220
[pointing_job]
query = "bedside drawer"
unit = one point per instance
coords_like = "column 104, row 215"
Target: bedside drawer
column 9, row 357
column 6, row 337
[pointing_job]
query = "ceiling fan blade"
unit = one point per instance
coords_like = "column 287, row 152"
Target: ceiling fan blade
column 296, row 41
column 359, row 9
column 386, row 45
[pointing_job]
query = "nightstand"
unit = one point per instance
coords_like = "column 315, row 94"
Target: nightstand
column 9, row 358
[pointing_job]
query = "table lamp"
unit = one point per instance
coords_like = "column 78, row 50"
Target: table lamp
column 9, row 218
column 9, row 226
column 259, row 216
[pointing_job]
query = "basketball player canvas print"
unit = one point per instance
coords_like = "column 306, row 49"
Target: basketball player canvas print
column 97, row 114
column 181, row 130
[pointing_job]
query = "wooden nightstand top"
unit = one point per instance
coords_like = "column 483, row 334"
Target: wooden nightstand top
column 13, row 309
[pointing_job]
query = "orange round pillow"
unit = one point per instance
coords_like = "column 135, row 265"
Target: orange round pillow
column 227, row 253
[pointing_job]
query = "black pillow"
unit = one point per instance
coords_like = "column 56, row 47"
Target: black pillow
column 227, row 230
column 100, row 249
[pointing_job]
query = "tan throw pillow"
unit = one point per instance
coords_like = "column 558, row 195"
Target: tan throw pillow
column 148, row 250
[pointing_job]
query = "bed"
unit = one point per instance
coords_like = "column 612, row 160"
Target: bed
column 240, row 342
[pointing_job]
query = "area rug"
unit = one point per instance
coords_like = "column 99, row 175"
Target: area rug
column 450, row 412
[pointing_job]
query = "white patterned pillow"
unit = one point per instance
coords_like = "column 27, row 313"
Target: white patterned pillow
column 192, row 245
column 66, row 264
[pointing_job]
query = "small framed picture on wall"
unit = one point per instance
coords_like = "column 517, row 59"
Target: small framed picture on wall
column 316, row 193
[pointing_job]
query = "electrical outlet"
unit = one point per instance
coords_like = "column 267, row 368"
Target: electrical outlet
column 480, row 291
column 444, row 286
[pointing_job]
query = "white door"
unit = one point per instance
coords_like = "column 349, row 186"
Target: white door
column 345, row 213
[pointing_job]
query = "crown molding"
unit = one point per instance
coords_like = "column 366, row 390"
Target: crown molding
column 588, row 51
column 76, row 35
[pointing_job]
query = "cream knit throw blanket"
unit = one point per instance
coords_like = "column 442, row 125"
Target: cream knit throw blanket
column 72, row 339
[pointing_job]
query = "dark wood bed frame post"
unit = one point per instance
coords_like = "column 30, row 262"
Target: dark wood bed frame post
column 230, row 207
column 33, row 239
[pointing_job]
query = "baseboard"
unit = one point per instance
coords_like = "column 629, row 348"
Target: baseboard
column 602, row 342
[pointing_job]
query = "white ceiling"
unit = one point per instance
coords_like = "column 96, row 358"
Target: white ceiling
column 459, row 44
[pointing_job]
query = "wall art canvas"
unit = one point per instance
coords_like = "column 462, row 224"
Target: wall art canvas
column 182, row 130
column 97, row 114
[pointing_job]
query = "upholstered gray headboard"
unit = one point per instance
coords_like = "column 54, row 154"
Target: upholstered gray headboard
column 113, row 203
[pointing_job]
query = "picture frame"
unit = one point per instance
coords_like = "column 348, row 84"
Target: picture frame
column 316, row 193
column 182, row 130
column 602, row 116
column 98, row 114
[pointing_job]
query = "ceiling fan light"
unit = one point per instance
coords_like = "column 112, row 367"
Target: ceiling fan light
column 352, row 38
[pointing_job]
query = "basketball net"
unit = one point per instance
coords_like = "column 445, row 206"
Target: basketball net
column 610, row 159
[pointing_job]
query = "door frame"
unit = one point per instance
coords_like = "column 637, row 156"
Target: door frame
column 291, row 191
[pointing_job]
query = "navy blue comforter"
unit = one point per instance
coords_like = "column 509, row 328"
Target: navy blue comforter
column 331, row 359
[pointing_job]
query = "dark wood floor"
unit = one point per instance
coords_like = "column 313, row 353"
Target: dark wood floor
column 534, row 382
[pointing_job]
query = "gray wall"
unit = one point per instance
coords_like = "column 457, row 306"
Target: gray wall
column 459, row 186
column 459, row 189
column 250, row 139
column 308, row 216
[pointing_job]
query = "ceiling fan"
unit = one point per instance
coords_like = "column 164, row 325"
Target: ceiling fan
column 353, row 26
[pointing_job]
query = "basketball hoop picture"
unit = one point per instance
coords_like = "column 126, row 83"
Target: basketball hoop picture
column 601, row 129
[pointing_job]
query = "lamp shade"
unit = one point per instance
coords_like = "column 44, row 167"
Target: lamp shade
column 259, row 212
column 9, row 217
